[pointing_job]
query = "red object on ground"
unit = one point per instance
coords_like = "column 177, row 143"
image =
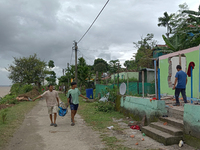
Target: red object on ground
column 165, row 123
column 135, row 127
column 191, row 64
column 153, row 99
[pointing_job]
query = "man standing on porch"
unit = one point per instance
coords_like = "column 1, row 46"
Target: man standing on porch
column 181, row 78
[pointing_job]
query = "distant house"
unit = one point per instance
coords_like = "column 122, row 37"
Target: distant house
column 158, row 51
column 123, row 75
column 149, row 75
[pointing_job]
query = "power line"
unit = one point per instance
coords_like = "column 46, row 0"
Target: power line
column 106, row 50
column 85, row 56
column 93, row 22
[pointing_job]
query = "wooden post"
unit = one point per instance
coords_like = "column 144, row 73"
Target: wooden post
column 143, row 84
column 127, row 82
column 118, row 79
column 180, row 59
column 97, row 76
column 155, row 71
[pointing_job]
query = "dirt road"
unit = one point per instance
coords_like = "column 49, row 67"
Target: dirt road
column 37, row 134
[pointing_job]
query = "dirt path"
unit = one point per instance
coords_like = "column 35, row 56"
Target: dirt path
column 36, row 134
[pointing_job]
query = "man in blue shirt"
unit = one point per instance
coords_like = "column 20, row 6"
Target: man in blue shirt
column 181, row 77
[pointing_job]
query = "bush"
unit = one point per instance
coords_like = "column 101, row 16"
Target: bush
column 14, row 101
column 26, row 88
column 104, row 106
column 112, row 93
column 18, row 88
column 7, row 98
column 15, row 89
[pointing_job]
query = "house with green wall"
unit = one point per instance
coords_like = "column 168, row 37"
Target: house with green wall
column 123, row 75
column 167, row 65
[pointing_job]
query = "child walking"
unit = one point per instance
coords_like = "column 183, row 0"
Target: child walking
column 73, row 95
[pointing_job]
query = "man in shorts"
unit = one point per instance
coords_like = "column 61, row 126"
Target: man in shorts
column 73, row 95
column 52, row 101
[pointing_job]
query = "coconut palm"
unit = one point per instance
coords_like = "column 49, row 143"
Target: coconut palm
column 166, row 21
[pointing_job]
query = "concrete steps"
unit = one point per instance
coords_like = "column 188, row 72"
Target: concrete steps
column 178, row 123
column 160, row 136
column 175, row 113
column 168, row 134
column 167, row 128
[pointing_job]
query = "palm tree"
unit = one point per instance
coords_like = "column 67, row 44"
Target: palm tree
column 166, row 21
column 194, row 16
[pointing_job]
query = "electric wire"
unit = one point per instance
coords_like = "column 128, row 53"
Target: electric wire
column 93, row 22
column 85, row 56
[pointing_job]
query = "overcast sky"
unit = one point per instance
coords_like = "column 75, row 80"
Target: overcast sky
column 49, row 27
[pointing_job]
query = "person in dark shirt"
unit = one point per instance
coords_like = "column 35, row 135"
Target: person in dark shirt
column 181, row 78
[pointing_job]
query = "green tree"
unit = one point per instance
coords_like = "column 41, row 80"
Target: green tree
column 51, row 74
column 83, row 71
column 166, row 21
column 194, row 17
column 27, row 70
column 130, row 64
column 100, row 65
column 51, row 64
column 186, row 29
column 113, row 66
column 144, row 52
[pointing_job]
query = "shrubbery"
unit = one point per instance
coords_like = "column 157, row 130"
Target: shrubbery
column 104, row 106
column 15, row 90
column 18, row 88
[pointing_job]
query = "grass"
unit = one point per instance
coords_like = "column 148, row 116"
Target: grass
column 99, row 122
column 14, row 118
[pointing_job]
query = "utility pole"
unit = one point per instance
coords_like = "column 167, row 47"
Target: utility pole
column 76, row 71
column 118, row 79
column 68, row 75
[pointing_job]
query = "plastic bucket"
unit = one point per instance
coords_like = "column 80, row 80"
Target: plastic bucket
column 89, row 93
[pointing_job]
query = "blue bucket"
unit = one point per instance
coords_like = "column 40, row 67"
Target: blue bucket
column 89, row 93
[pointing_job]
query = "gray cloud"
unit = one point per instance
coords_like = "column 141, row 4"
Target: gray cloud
column 49, row 27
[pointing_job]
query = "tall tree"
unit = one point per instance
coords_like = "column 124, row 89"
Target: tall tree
column 194, row 16
column 83, row 71
column 113, row 66
column 144, row 52
column 100, row 65
column 166, row 21
column 51, row 74
column 27, row 70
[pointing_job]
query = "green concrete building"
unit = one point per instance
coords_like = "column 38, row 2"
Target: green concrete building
column 167, row 65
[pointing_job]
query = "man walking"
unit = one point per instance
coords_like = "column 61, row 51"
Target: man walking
column 73, row 100
column 52, row 101
column 181, row 78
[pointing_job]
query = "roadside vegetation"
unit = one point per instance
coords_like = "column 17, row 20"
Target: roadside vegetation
column 99, row 116
column 12, row 111
column 11, row 118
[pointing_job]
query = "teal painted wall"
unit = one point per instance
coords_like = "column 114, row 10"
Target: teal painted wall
column 191, row 119
column 163, row 64
column 151, row 108
column 123, row 75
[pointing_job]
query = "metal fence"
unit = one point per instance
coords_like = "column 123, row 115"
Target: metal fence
column 134, row 88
